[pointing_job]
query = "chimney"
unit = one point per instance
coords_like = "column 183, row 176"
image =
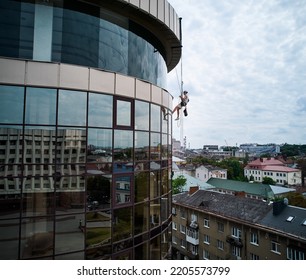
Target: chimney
column 279, row 206
column 194, row 189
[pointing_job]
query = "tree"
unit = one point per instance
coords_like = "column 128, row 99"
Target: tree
column 178, row 184
column 268, row 181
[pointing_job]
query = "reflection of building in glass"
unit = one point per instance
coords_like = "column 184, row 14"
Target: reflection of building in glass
column 85, row 129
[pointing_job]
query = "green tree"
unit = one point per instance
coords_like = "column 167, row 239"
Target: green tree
column 178, row 184
column 268, row 181
column 296, row 199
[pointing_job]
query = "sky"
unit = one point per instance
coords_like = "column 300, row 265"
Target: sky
column 244, row 66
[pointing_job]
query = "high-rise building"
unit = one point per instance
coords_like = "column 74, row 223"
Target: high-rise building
column 85, row 128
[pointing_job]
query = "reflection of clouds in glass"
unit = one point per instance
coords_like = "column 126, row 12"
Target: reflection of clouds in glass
column 155, row 117
column 123, row 139
column 155, row 139
column 72, row 108
column 101, row 138
column 11, row 104
column 41, row 106
column 141, row 115
column 123, row 113
column 100, row 112
column 141, row 139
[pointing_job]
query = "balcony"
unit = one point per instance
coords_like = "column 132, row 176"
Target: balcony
column 192, row 236
column 235, row 241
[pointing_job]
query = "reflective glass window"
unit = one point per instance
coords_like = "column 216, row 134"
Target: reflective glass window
column 71, row 146
column 98, row 228
column 142, row 252
column 39, row 148
column 99, row 151
column 114, row 45
column 141, row 218
column 69, row 235
column 141, row 145
column 165, row 180
column 40, row 106
column 9, row 239
column 36, row 237
column 141, row 186
column 100, row 111
column 155, row 118
column 155, row 249
column 122, row 224
column 11, row 104
column 72, row 108
column 98, row 192
column 142, row 110
column 155, row 182
column 164, row 146
column 155, row 212
column 123, row 147
column 103, row 252
column 155, row 146
column 35, row 201
column 123, row 113
column 123, row 190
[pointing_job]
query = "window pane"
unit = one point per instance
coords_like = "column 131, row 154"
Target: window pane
column 141, row 145
column 9, row 236
column 69, row 234
column 36, row 237
column 123, row 145
column 155, row 118
column 123, row 113
column 122, row 228
column 98, row 192
column 71, row 145
column 72, row 108
column 100, row 111
column 123, row 190
column 155, row 146
column 141, row 115
column 40, row 106
column 11, row 104
column 141, row 218
column 99, row 151
column 141, row 186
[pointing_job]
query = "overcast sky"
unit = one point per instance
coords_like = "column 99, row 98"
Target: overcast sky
column 244, row 66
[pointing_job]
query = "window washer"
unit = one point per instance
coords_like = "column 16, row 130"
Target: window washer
column 184, row 101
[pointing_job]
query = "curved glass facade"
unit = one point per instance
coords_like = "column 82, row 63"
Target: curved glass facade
column 83, row 175
column 78, row 33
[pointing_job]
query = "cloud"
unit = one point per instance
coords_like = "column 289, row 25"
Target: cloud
column 244, row 64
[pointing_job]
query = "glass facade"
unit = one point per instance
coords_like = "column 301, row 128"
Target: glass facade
column 85, row 129
column 83, row 175
column 76, row 32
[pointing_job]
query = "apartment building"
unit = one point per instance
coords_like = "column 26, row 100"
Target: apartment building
column 215, row 226
column 274, row 169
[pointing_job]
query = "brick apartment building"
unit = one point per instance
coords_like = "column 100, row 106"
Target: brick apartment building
column 216, row 226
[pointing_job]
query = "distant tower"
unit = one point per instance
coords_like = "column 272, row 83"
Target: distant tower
column 185, row 141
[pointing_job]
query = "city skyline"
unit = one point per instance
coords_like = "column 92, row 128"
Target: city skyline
column 243, row 66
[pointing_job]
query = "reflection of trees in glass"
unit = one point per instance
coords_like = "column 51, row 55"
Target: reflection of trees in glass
column 141, row 186
column 122, row 224
column 101, row 233
column 98, row 188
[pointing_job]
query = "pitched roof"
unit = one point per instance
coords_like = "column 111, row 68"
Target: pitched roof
column 293, row 226
column 226, row 205
column 264, row 162
column 279, row 168
column 193, row 182
column 238, row 186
